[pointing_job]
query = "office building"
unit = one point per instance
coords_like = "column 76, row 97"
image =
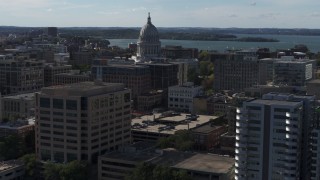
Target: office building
column 293, row 72
column 17, row 106
column 135, row 77
column 236, row 73
column 73, row 76
column 180, row 98
column 81, row 121
column 176, row 52
column 163, row 75
column 50, row 70
column 52, row 31
column 151, row 100
column 20, row 75
column 79, row 58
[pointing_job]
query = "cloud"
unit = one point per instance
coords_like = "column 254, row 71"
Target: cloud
column 138, row 9
column 269, row 15
column 315, row 14
column 49, row 9
column 233, row 16
column 109, row 12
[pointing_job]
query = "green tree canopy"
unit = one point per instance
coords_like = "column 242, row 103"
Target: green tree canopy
column 206, row 68
column 11, row 147
column 147, row 171
column 30, row 164
column 75, row 170
column 181, row 140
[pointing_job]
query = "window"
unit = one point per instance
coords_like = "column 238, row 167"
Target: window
column 71, row 104
column 45, row 102
column 57, row 103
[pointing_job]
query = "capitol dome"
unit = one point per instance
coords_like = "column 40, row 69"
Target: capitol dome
column 149, row 33
column 148, row 43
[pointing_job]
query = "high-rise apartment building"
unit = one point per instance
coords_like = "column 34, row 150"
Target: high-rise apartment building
column 269, row 138
column 315, row 155
column 81, row 121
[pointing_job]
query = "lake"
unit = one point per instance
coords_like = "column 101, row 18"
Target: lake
column 285, row 42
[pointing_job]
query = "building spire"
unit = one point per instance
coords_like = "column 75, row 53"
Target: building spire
column 149, row 18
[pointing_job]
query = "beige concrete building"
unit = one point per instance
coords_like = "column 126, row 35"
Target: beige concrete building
column 18, row 106
column 81, row 121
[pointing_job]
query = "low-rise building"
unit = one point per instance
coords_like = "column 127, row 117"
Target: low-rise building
column 13, row 169
column 151, row 100
column 17, row 106
column 116, row 165
column 180, row 97
column 50, row 70
column 152, row 127
column 74, row 76
column 18, row 127
column 207, row 136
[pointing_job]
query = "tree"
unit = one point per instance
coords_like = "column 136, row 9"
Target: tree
column 52, row 171
column 11, row 147
column 204, row 56
column 204, row 68
column 181, row 175
column 30, row 164
column 146, row 171
column 143, row 171
column 181, row 140
column 75, row 170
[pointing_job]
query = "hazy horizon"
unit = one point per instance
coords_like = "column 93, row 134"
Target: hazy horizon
column 292, row 14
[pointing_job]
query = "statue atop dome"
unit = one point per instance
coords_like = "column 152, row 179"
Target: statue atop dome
column 149, row 45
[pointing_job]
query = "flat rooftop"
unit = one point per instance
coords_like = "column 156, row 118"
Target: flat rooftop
column 18, row 124
column 207, row 128
column 7, row 165
column 27, row 97
column 275, row 102
column 180, row 122
column 87, row 88
column 209, row 163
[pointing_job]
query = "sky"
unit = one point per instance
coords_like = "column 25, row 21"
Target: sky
column 164, row 13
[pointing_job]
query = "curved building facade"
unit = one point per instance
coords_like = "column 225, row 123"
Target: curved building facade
column 149, row 45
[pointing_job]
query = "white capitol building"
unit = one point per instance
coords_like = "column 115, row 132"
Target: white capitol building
column 148, row 45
